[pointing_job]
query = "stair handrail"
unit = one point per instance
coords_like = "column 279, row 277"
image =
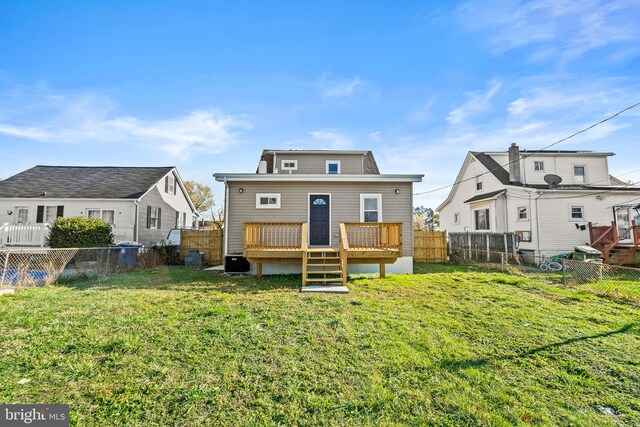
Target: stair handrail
column 343, row 250
column 615, row 241
column 603, row 235
column 3, row 234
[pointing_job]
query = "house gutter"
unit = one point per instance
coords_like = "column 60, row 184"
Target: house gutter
column 135, row 221
column 316, row 178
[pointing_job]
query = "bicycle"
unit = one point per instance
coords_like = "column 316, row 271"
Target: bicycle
column 550, row 265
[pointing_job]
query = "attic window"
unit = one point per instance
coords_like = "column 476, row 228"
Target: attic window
column 170, row 184
column 333, row 167
column 479, row 183
column 538, row 165
column 289, row 165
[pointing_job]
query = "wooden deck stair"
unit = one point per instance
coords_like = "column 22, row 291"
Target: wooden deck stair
column 322, row 265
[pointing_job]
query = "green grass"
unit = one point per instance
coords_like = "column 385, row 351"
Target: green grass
column 448, row 346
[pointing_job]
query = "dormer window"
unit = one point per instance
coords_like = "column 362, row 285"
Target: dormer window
column 538, row 166
column 289, row 165
column 333, row 167
column 579, row 174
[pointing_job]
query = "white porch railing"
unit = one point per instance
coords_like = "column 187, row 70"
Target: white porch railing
column 122, row 233
column 23, row 235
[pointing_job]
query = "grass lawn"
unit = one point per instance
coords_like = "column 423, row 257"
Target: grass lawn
column 446, row 346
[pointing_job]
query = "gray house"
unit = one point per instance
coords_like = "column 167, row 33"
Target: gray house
column 302, row 208
column 142, row 204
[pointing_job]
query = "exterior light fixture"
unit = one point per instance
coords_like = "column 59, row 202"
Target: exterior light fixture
column 240, row 190
column 9, row 213
column 397, row 191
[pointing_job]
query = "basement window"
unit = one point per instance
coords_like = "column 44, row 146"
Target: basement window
column 268, row 201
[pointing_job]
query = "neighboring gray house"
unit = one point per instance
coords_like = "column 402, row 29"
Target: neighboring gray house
column 299, row 203
column 142, row 204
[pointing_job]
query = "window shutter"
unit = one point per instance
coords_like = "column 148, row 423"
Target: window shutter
column 60, row 212
column 40, row 215
column 166, row 184
column 159, row 216
column 148, row 216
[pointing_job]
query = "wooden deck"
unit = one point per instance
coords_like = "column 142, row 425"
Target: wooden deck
column 617, row 248
column 287, row 243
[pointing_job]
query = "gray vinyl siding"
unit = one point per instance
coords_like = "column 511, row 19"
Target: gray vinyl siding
column 317, row 163
column 345, row 206
column 167, row 218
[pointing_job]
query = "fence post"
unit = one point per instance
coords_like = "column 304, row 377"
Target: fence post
column 4, row 270
column 106, row 268
column 564, row 272
column 502, row 262
column 469, row 239
column 513, row 243
column 488, row 249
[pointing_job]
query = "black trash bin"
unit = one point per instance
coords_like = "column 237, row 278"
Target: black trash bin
column 128, row 254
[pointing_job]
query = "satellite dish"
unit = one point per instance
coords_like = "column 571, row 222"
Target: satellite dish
column 552, row 180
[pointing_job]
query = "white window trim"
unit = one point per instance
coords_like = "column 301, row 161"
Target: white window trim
column 371, row 196
column 328, row 162
column 475, row 222
column 171, row 184
column 571, row 218
column 309, row 216
column 456, row 218
column 16, row 212
column 573, row 173
column 101, row 213
column 526, row 208
column 153, row 226
column 479, row 180
column 46, row 214
column 534, row 165
column 269, row 195
column 286, row 168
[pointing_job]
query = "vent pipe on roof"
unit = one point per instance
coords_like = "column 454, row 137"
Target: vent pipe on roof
column 262, row 166
column 514, row 164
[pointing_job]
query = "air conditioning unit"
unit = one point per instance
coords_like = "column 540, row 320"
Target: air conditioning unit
column 236, row 264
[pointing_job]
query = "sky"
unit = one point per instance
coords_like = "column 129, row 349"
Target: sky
column 205, row 86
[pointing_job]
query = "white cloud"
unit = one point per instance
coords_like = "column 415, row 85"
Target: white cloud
column 334, row 139
column 340, row 87
column 563, row 29
column 40, row 114
column 423, row 113
column 477, row 102
column 375, row 136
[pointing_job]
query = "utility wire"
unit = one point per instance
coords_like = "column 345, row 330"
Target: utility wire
column 535, row 152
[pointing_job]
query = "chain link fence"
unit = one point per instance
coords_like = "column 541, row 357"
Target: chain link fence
column 43, row 266
column 592, row 276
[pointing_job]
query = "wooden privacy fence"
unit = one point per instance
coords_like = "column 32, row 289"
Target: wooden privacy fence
column 430, row 246
column 210, row 242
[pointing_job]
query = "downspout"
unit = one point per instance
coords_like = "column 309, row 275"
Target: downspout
column 226, row 217
column 135, row 222
column 538, row 223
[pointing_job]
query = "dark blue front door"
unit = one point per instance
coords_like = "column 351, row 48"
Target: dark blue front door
column 319, row 220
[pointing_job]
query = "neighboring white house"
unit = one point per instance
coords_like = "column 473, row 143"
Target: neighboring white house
column 142, row 204
column 506, row 191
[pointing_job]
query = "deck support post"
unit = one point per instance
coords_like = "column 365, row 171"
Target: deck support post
column 259, row 270
column 383, row 274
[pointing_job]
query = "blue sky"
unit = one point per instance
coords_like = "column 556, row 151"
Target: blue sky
column 206, row 85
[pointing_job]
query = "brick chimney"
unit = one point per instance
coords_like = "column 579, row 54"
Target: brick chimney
column 514, row 164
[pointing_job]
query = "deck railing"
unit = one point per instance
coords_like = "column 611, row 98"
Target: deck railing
column 274, row 235
column 23, row 235
column 374, row 235
column 602, row 234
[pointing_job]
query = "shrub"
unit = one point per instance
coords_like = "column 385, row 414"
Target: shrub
column 170, row 254
column 79, row 232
